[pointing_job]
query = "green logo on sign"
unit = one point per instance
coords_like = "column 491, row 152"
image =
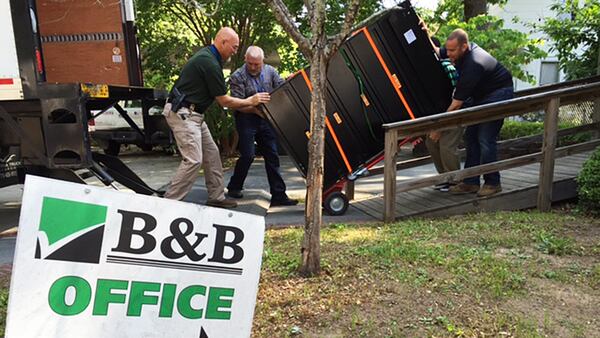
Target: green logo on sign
column 70, row 231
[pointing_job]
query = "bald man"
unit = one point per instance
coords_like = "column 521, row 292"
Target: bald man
column 200, row 83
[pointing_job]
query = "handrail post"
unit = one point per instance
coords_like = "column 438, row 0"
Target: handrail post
column 389, row 175
column 596, row 116
column 596, row 112
column 546, row 180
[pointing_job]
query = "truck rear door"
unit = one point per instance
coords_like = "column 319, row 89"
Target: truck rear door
column 10, row 78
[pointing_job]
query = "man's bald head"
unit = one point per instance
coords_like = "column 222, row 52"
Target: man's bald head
column 457, row 45
column 227, row 42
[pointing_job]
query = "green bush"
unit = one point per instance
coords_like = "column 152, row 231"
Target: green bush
column 515, row 129
column 575, row 138
column 588, row 182
column 220, row 123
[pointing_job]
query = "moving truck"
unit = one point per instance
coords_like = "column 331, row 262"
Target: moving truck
column 63, row 64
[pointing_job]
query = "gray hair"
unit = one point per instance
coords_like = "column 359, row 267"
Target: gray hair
column 255, row 52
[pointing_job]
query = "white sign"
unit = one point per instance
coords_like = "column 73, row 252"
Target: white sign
column 93, row 262
column 410, row 37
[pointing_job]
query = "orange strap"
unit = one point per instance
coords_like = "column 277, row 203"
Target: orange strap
column 329, row 127
column 306, row 79
column 394, row 80
column 338, row 144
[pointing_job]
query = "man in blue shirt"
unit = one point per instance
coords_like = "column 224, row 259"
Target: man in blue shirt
column 483, row 80
column 255, row 77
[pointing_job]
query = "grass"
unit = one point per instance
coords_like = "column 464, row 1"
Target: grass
column 519, row 274
column 3, row 306
column 498, row 274
column 555, row 245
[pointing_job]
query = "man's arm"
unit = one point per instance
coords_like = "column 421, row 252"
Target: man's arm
column 454, row 105
column 227, row 101
column 424, row 27
column 237, row 100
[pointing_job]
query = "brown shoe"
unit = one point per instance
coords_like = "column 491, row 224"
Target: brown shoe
column 463, row 188
column 225, row 204
column 487, row 190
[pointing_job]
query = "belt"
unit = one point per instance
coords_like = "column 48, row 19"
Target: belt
column 184, row 104
column 189, row 105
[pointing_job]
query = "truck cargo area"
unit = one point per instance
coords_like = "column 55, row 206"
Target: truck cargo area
column 57, row 75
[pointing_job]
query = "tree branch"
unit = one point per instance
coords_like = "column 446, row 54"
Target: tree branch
column 189, row 21
column 335, row 41
column 283, row 16
column 310, row 8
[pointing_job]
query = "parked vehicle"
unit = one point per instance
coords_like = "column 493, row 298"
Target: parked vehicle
column 57, row 75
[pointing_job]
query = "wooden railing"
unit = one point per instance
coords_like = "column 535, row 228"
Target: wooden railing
column 548, row 98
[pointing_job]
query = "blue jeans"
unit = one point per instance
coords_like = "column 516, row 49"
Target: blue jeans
column 250, row 128
column 480, row 139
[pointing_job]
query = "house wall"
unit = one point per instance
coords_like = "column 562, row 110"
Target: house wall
column 528, row 12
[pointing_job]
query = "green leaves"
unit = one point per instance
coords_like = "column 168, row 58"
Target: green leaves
column 575, row 32
column 552, row 244
column 510, row 47
column 170, row 31
column 588, row 183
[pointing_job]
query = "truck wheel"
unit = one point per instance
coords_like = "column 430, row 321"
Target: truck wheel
column 336, row 204
column 113, row 148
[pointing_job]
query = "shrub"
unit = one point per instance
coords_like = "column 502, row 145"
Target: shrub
column 515, row 129
column 588, row 182
column 575, row 138
column 221, row 126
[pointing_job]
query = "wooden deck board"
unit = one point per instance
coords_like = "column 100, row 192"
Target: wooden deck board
column 520, row 189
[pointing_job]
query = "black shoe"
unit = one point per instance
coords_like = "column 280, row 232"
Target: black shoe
column 234, row 193
column 286, row 202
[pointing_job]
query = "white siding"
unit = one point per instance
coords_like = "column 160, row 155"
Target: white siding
column 528, row 11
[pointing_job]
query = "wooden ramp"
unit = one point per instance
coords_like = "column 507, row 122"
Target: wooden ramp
column 519, row 191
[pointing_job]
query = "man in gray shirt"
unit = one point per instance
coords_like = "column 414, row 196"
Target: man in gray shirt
column 254, row 77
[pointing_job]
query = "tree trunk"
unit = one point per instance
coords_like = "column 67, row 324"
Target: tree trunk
column 596, row 112
column 474, row 8
column 311, row 252
column 319, row 49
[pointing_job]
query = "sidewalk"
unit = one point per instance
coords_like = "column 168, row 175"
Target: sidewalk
column 257, row 198
column 156, row 170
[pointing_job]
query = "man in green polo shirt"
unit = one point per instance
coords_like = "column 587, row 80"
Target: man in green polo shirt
column 200, row 83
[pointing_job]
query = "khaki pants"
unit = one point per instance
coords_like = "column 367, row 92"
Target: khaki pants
column 198, row 149
column 444, row 152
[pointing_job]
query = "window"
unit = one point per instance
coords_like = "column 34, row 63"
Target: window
column 549, row 72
